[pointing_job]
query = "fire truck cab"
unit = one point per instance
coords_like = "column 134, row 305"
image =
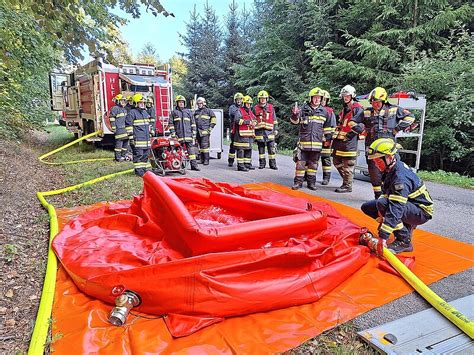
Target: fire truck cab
column 85, row 96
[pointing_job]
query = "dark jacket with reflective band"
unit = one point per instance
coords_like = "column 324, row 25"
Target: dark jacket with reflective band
column 345, row 137
column 118, row 115
column 244, row 133
column 233, row 109
column 267, row 123
column 138, row 126
column 401, row 185
column 183, row 124
column 383, row 124
column 315, row 126
column 205, row 120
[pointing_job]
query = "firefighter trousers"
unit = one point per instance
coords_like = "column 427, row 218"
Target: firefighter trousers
column 270, row 145
column 203, row 142
column 231, row 150
column 140, row 160
column 121, row 148
column 307, row 163
column 345, row 167
column 244, row 157
column 191, row 149
column 412, row 216
column 375, row 178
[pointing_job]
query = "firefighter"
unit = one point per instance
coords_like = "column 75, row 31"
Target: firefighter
column 344, row 144
column 405, row 202
column 138, row 121
column 382, row 120
column 326, row 151
column 118, row 115
column 130, row 103
column 205, row 121
column 244, row 134
column 184, row 127
column 150, row 108
column 265, row 130
column 315, row 128
column 233, row 109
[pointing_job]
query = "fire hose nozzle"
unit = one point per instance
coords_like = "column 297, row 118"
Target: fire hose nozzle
column 123, row 304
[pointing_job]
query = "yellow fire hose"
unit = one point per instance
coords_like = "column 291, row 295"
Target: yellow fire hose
column 451, row 313
column 40, row 331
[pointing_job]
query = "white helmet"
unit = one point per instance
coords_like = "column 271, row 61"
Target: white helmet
column 348, row 90
column 201, row 99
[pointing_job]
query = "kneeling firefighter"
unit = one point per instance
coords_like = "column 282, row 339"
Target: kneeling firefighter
column 184, row 127
column 141, row 131
column 244, row 134
column 405, row 202
column 205, row 122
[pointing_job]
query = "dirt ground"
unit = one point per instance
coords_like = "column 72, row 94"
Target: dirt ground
column 24, row 233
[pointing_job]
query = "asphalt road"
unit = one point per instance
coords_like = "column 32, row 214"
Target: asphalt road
column 453, row 218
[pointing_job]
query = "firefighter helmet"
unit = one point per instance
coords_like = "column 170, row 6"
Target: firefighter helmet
column 201, row 99
column 378, row 93
column 138, row 98
column 149, row 100
column 382, row 147
column 263, row 94
column 247, row 99
column 180, row 98
column 348, row 90
column 327, row 95
column 238, row 95
column 316, row 92
column 119, row 97
column 129, row 98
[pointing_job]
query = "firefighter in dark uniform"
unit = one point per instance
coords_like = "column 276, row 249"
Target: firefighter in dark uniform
column 183, row 126
column 118, row 115
column 238, row 97
column 327, row 151
column 139, row 121
column 150, row 108
column 405, row 202
column 344, row 144
column 315, row 127
column 205, row 121
column 244, row 134
column 128, row 107
column 130, row 103
column 265, row 130
column 382, row 120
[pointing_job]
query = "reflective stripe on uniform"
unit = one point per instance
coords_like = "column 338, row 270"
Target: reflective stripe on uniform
column 377, row 188
column 341, row 153
column 397, row 198
column 300, row 172
column 388, row 229
column 326, row 151
column 317, row 118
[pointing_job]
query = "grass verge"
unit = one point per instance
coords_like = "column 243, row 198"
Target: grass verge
column 447, row 178
column 119, row 188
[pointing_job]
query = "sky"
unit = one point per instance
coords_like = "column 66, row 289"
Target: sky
column 163, row 31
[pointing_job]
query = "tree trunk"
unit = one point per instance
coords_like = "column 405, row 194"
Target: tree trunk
column 414, row 24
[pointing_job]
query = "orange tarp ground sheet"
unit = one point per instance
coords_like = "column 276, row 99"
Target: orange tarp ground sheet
column 80, row 322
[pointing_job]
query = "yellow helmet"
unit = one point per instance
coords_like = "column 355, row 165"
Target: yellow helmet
column 247, row 100
column 378, row 93
column 180, row 98
column 382, row 147
column 138, row 98
column 118, row 97
column 129, row 98
column 263, row 94
column 326, row 95
column 238, row 95
column 316, row 92
column 149, row 100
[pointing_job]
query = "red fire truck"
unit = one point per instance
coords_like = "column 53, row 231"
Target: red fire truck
column 85, row 96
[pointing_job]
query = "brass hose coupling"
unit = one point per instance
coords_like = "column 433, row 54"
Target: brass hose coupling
column 123, row 304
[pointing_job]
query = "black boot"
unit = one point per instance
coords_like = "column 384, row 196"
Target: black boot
column 312, row 186
column 297, row 186
column 377, row 194
column 241, row 167
column 249, row 166
column 200, row 158
column 194, row 166
column 230, row 163
column 205, row 158
column 344, row 188
column 262, row 163
column 400, row 246
column 273, row 164
column 326, row 178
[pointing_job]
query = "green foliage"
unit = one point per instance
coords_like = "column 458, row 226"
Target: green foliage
column 149, row 55
column 448, row 178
